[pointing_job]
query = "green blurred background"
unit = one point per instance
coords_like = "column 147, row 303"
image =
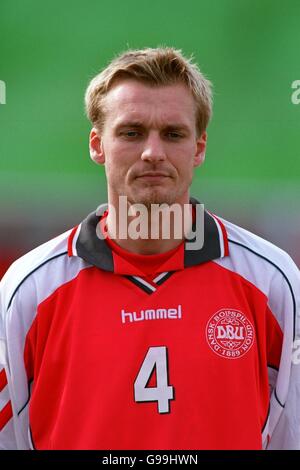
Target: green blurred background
column 249, row 49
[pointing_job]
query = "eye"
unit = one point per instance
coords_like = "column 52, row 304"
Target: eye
column 174, row 135
column 130, row 134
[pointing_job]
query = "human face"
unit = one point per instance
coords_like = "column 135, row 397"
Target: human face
column 148, row 143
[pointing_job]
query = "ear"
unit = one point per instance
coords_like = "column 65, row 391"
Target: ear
column 96, row 147
column 199, row 156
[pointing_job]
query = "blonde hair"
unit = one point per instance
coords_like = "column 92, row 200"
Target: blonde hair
column 156, row 67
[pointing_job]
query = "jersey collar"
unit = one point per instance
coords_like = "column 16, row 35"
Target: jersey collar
column 84, row 242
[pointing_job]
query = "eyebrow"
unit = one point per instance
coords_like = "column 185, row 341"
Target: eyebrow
column 130, row 124
column 140, row 125
column 179, row 126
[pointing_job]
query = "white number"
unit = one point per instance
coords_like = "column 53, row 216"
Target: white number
column 162, row 393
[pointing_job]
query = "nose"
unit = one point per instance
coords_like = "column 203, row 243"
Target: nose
column 154, row 148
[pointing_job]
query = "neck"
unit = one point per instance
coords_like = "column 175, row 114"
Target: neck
column 149, row 231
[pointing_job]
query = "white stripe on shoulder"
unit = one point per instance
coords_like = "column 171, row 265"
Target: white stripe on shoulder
column 75, row 238
column 54, row 251
column 268, row 267
column 259, row 261
column 221, row 238
column 274, row 254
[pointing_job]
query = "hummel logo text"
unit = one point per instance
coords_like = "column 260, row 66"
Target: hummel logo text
column 152, row 314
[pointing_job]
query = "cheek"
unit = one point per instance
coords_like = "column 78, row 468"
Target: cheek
column 184, row 162
column 120, row 158
column 113, row 170
column 116, row 168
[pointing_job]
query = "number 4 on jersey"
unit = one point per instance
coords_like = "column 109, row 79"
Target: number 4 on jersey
column 156, row 357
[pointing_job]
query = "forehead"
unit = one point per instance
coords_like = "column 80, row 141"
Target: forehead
column 130, row 99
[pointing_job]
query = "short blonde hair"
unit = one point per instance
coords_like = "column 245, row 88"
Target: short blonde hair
column 156, row 67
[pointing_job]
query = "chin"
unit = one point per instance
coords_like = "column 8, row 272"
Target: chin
column 155, row 197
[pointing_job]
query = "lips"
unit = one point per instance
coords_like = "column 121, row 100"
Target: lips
column 153, row 178
column 153, row 174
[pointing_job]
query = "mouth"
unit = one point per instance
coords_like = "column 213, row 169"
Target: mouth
column 153, row 176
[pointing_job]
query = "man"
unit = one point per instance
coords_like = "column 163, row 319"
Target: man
column 114, row 337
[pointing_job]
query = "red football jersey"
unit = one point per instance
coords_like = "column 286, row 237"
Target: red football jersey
column 195, row 356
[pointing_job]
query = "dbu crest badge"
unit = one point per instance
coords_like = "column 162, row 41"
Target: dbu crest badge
column 229, row 333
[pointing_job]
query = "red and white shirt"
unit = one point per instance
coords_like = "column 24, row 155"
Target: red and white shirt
column 190, row 349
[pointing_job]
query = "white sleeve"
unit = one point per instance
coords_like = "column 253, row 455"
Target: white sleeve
column 14, row 392
column 7, row 432
column 28, row 281
column 284, row 418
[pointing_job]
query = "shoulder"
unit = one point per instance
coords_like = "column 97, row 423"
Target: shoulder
column 40, row 271
column 260, row 253
column 268, row 268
